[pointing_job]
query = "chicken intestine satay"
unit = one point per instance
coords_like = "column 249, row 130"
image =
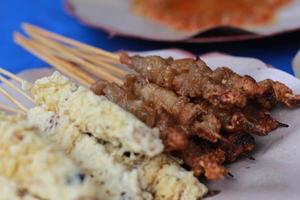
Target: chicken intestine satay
column 222, row 87
column 195, row 116
column 39, row 166
column 96, row 115
column 186, row 77
column 173, row 136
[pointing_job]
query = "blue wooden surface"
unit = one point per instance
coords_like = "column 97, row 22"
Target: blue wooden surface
column 50, row 14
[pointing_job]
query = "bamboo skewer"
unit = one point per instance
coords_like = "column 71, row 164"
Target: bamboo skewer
column 63, row 66
column 22, row 108
column 9, row 109
column 13, row 100
column 65, row 52
column 82, row 46
column 74, row 56
column 4, row 80
column 12, row 76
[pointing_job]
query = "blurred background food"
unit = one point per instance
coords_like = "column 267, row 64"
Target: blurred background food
column 192, row 21
column 277, row 51
column 199, row 15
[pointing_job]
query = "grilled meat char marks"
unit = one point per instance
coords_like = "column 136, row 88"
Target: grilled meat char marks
column 176, row 137
column 187, row 77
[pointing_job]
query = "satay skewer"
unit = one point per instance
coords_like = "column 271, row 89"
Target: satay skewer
column 83, row 47
column 10, row 109
column 38, row 50
column 243, row 86
column 205, row 163
column 13, row 100
column 101, row 74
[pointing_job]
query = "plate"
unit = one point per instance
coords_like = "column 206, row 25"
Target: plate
column 117, row 18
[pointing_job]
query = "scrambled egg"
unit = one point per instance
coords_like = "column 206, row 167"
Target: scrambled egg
column 37, row 165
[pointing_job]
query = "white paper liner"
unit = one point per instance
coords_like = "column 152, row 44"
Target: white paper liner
column 275, row 174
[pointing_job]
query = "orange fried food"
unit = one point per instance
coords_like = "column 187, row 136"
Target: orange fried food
column 198, row 15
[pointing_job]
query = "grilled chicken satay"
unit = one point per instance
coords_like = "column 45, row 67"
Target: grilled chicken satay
column 207, row 159
column 188, row 77
column 124, row 97
column 249, row 119
column 274, row 92
column 268, row 92
column 203, row 159
column 194, row 116
column 39, row 166
column 208, row 125
column 173, row 136
column 221, row 87
column 243, row 145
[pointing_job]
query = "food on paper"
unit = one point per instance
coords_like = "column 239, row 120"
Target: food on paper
column 118, row 176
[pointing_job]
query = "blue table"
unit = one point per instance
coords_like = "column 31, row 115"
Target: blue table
column 277, row 51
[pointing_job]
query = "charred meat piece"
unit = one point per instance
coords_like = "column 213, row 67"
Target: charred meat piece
column 250, row 119
column 204, row 159
column 195, row 116
column 243, row 144
column 274, row 92
column 222, row 87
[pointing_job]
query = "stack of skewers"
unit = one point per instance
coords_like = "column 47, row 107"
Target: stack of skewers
column 206, row 117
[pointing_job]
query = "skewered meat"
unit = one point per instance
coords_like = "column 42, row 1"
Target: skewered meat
column 173, row 136
column 248, row 119
column 188, row 77
column 203, row 159
column 188, row 114
column 124, row 97
column 243, row 145
column 276, row 92
column 221, row 87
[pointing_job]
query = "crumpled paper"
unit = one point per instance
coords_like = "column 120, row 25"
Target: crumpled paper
column 275, row 172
